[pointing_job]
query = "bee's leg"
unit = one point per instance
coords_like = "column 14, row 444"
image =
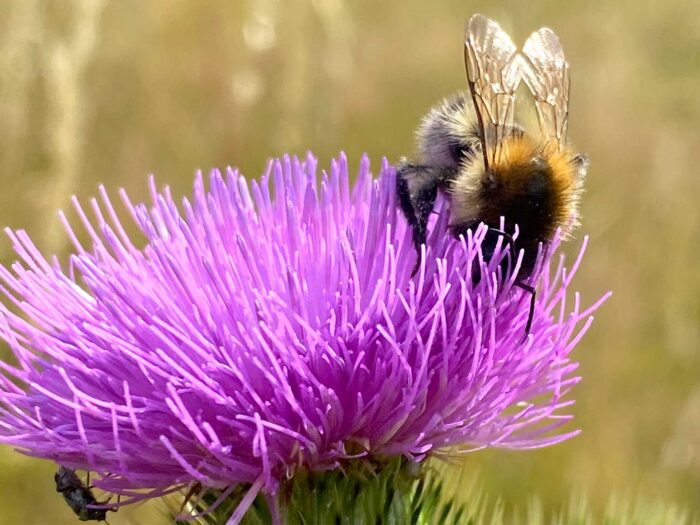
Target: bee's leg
column 533, row 295
column 488, row 247
column 510, row 243
column 416, row 188
column 519, row 283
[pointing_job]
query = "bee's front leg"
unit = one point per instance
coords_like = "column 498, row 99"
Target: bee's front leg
column 417, row 187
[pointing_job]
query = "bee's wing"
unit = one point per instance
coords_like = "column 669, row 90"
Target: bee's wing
column 493, row 70
column 546, row 73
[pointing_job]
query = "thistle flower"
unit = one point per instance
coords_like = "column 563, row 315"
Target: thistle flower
column 272, row 327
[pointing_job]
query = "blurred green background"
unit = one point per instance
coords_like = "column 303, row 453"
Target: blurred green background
column 108, row 92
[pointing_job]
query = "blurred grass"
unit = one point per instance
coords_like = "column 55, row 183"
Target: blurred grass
column 94, row 92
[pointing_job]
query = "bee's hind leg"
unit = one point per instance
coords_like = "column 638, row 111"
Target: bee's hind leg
column 510, row 244
column 531, row 314
column 416, row 188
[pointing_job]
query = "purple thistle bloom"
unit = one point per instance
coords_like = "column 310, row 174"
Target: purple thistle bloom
column 272, row 326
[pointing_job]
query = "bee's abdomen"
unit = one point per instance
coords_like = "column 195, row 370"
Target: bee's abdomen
column 522, row 195
column 525, row 194
column 532, row 207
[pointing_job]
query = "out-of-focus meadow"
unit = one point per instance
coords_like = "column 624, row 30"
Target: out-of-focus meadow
column 107, row 92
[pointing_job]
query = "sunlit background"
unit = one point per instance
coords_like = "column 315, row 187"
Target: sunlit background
column 107, row 92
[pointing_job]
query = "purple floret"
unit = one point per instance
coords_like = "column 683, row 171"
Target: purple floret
column 271, row 326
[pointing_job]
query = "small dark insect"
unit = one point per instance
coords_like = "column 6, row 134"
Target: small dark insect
column 195, row 489
column 78, row 496
column 488, row 165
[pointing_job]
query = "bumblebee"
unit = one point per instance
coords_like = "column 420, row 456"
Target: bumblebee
column 523, row 185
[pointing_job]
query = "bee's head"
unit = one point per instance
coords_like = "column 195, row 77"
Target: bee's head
column 535, row 185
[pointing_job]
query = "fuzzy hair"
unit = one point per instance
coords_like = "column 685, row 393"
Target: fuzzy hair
column 526, row 177
column 448, row 126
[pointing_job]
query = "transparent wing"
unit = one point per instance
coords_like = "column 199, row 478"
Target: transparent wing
column 493, row 70
column 546, row 73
